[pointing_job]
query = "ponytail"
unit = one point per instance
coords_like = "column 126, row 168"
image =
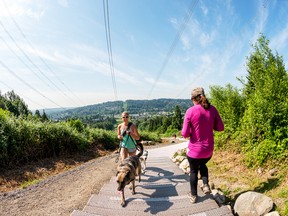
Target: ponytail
column 201, row 99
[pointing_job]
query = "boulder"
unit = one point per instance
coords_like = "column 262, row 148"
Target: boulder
column 184, row 165
column 253, row 204
column 273, row 213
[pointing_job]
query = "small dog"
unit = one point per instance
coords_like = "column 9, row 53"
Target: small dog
column 143, row 160
column 127, row 171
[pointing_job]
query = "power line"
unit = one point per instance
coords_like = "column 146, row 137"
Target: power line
column 30, row 44
column 29, row 59
column 174, row 43
column 109, row 46
column 23, row 81
column 21, row 95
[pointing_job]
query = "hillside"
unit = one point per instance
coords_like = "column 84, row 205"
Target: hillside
column 134, row 107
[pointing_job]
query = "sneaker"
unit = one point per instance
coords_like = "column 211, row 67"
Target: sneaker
column 192, row 198
column 206, row 189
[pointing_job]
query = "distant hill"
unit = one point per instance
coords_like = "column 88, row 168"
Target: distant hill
column 134, row 107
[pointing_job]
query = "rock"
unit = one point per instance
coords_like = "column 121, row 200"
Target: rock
column 272, row 172
column 260, row 170
column 218, row 196
column 274, row 213
column 180, row 158
column 253, row 204
column 174, row 160
column 184, row 164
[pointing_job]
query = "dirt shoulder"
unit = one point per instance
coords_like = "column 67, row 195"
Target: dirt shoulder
column 62, row 193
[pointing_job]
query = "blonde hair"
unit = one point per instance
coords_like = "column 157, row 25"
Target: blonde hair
column 125, row 113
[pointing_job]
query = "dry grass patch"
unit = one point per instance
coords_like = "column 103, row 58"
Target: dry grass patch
column 230, row 174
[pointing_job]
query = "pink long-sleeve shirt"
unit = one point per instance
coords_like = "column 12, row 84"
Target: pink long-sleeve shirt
column 199, row 124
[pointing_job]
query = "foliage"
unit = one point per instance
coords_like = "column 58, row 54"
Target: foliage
column 107, row 139
column 177, row 119
column 230, row 105
column 14, row 104
column 256, row 117
column 266, row 95
column 149, row 136
column 171, row 131
column 22, row 140
column 267, row 150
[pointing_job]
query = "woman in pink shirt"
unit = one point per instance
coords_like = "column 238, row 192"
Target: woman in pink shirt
column 199, row 122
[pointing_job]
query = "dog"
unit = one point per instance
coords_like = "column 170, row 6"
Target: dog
column 127, row 171
column 143, row 160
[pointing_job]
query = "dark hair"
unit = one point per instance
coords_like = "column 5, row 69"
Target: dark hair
column 201, row 99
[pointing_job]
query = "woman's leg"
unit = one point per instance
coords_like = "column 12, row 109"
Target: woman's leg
column 123, row 153
column 193, row 174
column 132, row 153
column 204, row 170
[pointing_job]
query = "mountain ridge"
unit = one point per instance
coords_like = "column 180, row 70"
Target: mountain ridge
column 111, row 108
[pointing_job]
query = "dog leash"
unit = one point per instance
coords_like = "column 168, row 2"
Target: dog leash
column 138, row 146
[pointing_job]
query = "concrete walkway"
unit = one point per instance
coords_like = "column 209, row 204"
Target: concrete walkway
column 162, row 191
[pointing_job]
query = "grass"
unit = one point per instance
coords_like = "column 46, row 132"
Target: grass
column 230, row 174
column 29, row 183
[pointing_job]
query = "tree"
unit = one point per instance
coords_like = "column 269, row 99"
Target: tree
column 13, row 103
column 266, row 93
column 44, row 116
column 37, row 114
column 177, row 119
column 230, row 104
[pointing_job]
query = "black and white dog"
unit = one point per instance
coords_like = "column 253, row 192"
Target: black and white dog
column 143, row 160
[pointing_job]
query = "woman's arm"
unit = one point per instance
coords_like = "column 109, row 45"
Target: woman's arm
column 186, row 126
column 218, row 124
column 119, row 136
column 134, row 132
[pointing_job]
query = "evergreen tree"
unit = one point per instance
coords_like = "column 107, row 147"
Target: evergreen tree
column 266, row 93
column 177, row 118
column 37, row 114
column 44, row 117
column 13, row 103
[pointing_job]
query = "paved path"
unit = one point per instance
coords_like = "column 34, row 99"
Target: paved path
column 162, row 191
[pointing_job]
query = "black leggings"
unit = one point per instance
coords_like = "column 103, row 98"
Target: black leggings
column 197, row 165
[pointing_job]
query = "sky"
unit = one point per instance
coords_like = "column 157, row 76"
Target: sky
column 73, row 53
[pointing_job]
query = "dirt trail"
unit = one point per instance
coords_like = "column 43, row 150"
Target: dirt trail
column 61, row 194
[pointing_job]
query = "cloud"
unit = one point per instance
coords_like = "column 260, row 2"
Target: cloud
column 22, row 8
column 63, row 3
column 262, row 15
column 280, row 41
column 204, row 9
column 206, row 39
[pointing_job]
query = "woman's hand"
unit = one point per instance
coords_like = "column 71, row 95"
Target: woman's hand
column 120, row 136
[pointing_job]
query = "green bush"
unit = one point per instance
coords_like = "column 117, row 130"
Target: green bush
column 149, row 136
column 267, row 150
column 108, row 139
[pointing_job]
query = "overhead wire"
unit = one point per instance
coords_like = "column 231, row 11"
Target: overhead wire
column 29, row 59
column 26, row 98
column 43, row 61
column 23, row 81
column 109, row 46
column 174, row 43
